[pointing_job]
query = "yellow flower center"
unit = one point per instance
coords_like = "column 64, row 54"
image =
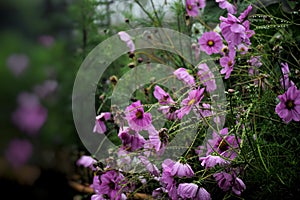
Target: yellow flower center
column 191, row 102
column 210, row 43
column 189, row 7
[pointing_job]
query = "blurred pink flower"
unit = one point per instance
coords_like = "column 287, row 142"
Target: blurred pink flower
column 100, row 126
column 224, row 4
column 183, row 75
column 30, row 116
column 45, row 89
column 86, row 161
column 18, row 152
column 128, row 40
column 46, row 40
column 17, row 63
column 206, row 77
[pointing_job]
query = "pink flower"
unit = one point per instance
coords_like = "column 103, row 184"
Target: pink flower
column 149, row 166
column 169, row 112
column 187, row 190
column 182, row 170
column 227, row 64
column 207, row 78
column 100, row 126
column 211, row 42
column 211, row 161
column 127, row 39
column 162, row 96
column 183, row 75
column 285, row 81
column 201, row 3
column 45, row 89
column 289, row 107
column 137, row 119
column 193, row 99
column 17, row 63
column 228, row 181
column 86, row 161
column 30, row 115
column 203, row 194
column 192, row 8
column 18, row 152
column 224, row 4
column 131, row 139
column 46, row 40
column 242, row 48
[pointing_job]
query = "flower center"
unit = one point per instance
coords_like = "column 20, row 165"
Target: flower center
column 210, row 43
column 289, row 104
column 111, row 185
column 190, row 7
column 229, row 63
column 139, row 114
column 191, row 102
column 172, row 109
column 223, row 146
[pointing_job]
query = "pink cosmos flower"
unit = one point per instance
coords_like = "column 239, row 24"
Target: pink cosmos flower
column 211, row 161
column 203, row 194
column 192, row 8
column 30, row 115
column 100, row 126
column 17, row 63
column 187, row 190
column 137, row 119
column 236, row 30
column 242, row 48
column 131, row 139
column 169, row 112
column 196, row 50
column 182, row 170
column 86, row 161
column 210, row 42
column 201, row 3
column 167, row 179
column 206, row 77
column 162, row 96
column 224, row 144
column 227, row 63
column 193, row 99
column 224, row 4
column 183, row 75
column 110, row 184
column 128, row 40
column 228, row 181
column 289, row 107
column 18, row 152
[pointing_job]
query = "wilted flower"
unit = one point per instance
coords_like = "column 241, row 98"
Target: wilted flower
column 211, row 161
column 162, row 96
column 149, row 166
column 100, row 126
column 285, row 81
column 183, row 75
column 289, row 107
column 127, row 39
column 203, row 194
column 211, row 42
column 224, row 4
column 182, row 170
column 206, row 77
column 131, row 139
column 228, row 181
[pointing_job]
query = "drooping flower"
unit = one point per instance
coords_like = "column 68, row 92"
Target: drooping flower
column 238, row 186
column 187, row 190
column 86, row 161
column 163, row 97
column 17, row 63
column 236, row 30
column 100, row 126
column 211, row 42
column 137, row 119
column 289, row 107
column 18, row 152
column 131, row 139
column 150, row 166
column 128, row 40
column 167, row 179
column 206, row 77
column 224, row 4
column 211, row 161
column 192, row 8
column 30, row 116
column 182, row 170
column 183, row 75
column 285, row 81
column 193, row 99
column 227, row 181
column 203, row 194
column 111, row 183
